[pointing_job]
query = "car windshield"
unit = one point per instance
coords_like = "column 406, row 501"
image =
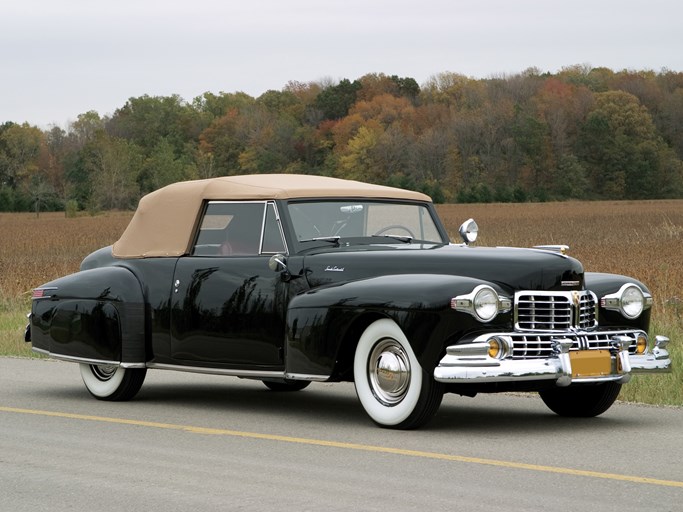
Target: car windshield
column 374, row 221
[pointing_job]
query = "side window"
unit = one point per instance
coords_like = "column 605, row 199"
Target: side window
column 272, row 237
column 230, row 229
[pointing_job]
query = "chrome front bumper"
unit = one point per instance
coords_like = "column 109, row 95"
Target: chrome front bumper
column 470, row 362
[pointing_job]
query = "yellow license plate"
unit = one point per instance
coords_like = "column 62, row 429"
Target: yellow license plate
column 590, row 363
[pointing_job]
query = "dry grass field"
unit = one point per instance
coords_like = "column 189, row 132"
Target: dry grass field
column 36, row 250
column 643, row 239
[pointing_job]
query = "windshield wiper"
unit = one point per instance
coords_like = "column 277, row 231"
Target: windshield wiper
column 331, row 239
column 400, row 238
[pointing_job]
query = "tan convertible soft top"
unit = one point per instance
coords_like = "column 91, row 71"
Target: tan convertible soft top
column 165, row 219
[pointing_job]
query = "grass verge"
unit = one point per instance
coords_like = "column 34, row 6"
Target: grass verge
column 661, row 388
column 12, row 324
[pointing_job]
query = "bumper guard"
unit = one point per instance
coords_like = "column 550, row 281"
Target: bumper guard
column 470, row 362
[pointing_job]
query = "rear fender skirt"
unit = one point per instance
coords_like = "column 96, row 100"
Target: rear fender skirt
column 96, row 315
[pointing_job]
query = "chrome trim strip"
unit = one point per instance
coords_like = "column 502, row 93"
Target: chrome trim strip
column 279, row 225
column 133, row 365
column 74, row 359
column 306, row 376
column 219, row 371
column 190, row 369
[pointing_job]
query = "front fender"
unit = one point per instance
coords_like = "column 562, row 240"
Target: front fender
column 324, row 324
column 93, row 315
column 604, row 284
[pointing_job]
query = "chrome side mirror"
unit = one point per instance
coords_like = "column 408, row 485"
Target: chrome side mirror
column 277, row 263
column 468, row 231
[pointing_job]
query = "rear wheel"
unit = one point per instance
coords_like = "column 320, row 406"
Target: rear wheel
column 581, row 401
column 112, row 382
column 390, row 383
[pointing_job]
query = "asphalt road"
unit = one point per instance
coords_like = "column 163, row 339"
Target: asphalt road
column 204, row 443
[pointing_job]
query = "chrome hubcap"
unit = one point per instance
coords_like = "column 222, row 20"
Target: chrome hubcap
column 389, row 372
column 103, row 372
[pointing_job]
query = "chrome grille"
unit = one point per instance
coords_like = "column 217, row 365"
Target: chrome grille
column 532, row 346
column 554, row 311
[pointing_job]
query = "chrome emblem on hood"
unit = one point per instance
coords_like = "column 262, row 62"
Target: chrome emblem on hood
column 576, row 298
column 570, row 283
column 330, row 268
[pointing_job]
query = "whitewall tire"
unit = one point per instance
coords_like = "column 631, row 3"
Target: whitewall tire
column 111, row 382
column 390, row 383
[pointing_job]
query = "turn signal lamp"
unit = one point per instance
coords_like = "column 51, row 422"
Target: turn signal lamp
column 641, row 344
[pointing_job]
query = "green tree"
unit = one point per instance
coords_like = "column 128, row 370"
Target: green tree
column 86, row 127
column 336, row 100
column 530, row 135
column 148, row 119
column 218, row 105
column 162, row 168
column 19, row 153
column 621, row 148
column 113, row 166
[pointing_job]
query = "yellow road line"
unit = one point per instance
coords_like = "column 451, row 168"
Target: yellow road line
column 350, row 446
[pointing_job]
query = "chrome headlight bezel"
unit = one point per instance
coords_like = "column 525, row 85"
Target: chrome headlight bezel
column 483, row 303
column 631, row 301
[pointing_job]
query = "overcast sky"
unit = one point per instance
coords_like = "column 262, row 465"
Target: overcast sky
column 61, row 58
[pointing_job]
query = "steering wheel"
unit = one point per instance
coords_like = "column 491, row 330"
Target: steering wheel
column 394, row 226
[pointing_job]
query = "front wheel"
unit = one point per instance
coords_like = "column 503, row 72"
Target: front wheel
column 581, row 401
column 112, row 382
column 390, row 383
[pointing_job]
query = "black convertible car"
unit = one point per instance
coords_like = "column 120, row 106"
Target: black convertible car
column 291, row 279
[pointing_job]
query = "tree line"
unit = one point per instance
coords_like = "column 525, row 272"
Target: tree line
column 581, row 133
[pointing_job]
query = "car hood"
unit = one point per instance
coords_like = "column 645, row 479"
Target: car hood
column 511, row 269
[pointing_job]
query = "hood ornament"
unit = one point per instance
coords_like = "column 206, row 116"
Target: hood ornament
column 562, row 249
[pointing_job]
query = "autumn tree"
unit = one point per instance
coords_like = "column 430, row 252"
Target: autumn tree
column 219, row 143
column 581, row 133
column 376, row 84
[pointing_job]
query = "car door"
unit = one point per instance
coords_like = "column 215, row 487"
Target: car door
column 228, row 307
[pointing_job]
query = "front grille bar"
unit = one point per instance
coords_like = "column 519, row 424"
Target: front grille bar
column 555, row 311
column 532, row 346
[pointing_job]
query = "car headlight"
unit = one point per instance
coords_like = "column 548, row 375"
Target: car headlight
column 483, row 303
column 630, row 301
column 486, row 304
